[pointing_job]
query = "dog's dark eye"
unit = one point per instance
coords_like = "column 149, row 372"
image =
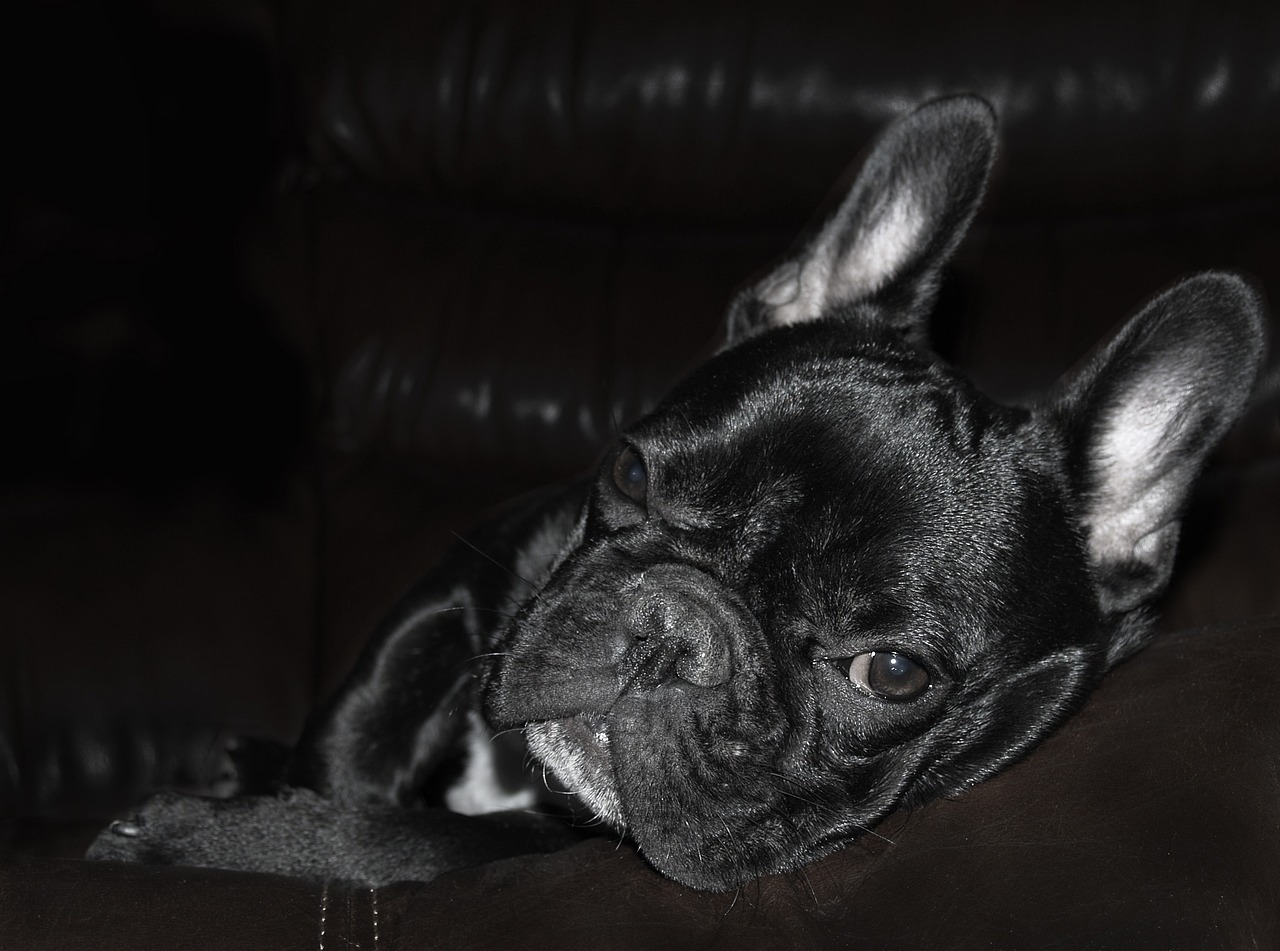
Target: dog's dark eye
column 889, row 675
column 630, row 475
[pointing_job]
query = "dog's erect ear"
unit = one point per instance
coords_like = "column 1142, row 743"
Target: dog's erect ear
column 1141, row 416
column 906, row 212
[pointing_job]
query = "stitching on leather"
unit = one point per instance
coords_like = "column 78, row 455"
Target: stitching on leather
column 324, row 911
column 373, row 901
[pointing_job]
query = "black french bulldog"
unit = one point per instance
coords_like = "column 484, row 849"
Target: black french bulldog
column 823, row 579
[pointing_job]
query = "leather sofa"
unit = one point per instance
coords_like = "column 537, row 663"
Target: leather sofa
column 293, row 292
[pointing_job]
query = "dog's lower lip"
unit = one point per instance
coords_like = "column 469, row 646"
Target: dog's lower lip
column 576, row 749
column 589, row 731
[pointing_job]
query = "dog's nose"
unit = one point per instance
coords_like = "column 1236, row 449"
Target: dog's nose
column 679, row 641
column 678, row 627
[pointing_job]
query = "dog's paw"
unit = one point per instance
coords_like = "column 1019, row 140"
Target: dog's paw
column 166, row 830
column 293, row 832
column 241, row 833
column 297, row 832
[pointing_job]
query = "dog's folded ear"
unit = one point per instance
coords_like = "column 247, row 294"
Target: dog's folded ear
column 1006, row 713
column 907, row 210
column 1141, row 416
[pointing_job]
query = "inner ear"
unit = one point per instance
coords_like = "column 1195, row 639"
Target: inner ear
column 901, row 220
column 1142, row 417
column 845, row 266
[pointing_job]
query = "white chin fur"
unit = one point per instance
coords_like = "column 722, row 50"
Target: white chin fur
column 576, row 750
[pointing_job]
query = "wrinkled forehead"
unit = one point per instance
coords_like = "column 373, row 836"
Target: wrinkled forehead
column 868, row 407
column 881, row 450
column 888, row 475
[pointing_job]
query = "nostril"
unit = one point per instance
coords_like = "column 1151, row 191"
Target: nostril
column 702, row 652
column 659, row 657
column 679, row 627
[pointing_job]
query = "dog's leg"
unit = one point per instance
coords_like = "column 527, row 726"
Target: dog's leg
column 405, row 705
column 298, row 833
column 366, row 754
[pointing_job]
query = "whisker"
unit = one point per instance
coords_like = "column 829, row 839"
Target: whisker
column 866, row 829
column 613, row 417
column 455, row 608
column 513, row 729
column 498, row 611
column 795, row 796
column 519, row 603
column 870, row 831
column 737, row 893
column 485, row 555
column 808, row 885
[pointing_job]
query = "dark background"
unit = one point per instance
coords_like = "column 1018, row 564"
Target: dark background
column 291, row 292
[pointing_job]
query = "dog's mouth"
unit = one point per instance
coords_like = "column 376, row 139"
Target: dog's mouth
column 576, row 750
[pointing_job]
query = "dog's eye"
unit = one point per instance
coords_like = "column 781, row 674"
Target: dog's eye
column 630, row 475
column 889, row 675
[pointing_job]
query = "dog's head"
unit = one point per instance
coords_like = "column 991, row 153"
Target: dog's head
column 826, row 576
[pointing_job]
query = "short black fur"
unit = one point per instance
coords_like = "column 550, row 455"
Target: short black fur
column 692, row 629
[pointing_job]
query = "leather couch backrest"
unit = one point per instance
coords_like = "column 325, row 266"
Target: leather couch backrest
column 748, row 112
